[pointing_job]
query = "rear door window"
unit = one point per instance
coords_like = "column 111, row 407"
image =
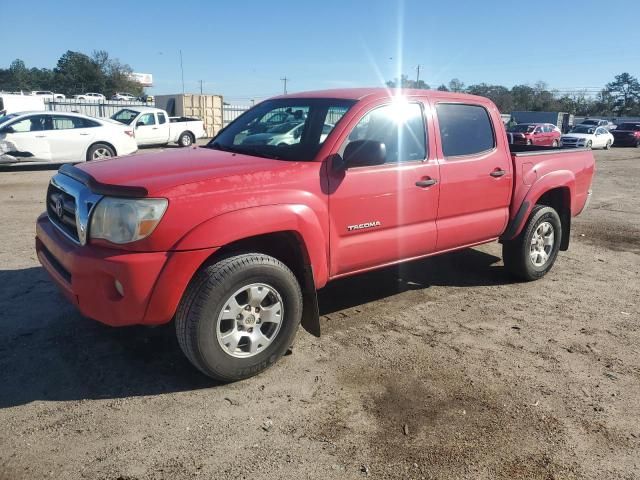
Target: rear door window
column 161, row 118
column 464, row 129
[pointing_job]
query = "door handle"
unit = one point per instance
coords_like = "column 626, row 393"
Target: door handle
column 426, row 183
column 498, row 172
column 154, row 128
column 84, row 134
column 41, row 136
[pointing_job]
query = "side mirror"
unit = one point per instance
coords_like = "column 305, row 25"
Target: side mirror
column 297, row 134
column 139, row 124
column 364, row 153
column 7, row 130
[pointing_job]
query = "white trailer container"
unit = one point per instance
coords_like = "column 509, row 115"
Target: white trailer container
column 12, row 103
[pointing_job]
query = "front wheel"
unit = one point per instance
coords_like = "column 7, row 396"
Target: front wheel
column 589, row 144
column 608, row 145
column 555, row 144
column 531, row 254
column 239, row 316
column 185, row 139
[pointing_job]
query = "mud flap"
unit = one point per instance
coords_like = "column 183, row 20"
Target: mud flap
column 310, row 313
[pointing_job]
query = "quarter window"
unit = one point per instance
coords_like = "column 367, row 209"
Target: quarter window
column 400, row 127
column 464, row 129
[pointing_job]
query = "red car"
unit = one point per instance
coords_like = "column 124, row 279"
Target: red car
column 542, row 134
column 232, row 240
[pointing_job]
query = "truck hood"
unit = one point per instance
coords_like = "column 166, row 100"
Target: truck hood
column 159, row 172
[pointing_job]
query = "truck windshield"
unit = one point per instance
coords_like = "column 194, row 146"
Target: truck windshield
column 125, row 116
column 270, row 130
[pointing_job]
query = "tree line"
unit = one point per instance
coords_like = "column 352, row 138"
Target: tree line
column 621, row 97
column 75, row 73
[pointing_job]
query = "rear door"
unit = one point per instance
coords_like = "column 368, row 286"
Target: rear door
column 475, row 175
column 69, row 138
column 164, row 127
column 384, row 213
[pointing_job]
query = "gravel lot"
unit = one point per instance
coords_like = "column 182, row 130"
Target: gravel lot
column 442, row 369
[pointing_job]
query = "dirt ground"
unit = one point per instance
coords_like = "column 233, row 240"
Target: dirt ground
column 440, row 369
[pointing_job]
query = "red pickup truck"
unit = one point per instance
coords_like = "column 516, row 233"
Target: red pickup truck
column 232, row 240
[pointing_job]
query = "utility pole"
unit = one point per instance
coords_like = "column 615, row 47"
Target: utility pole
column 201, row 82
column 284, row 81
column 418, row 74
column 182, row 70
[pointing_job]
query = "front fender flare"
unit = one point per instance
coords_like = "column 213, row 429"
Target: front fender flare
column 250, row 222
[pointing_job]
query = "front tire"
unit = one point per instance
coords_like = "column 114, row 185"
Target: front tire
column 185, row 139
column 531, row 254
column 608, row 145
column 589, row 144
column 239, row 316
column 555, row 144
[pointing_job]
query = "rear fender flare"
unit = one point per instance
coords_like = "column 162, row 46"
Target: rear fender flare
column 556, row 179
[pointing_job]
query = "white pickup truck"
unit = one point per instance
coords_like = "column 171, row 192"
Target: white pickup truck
column 153, row 126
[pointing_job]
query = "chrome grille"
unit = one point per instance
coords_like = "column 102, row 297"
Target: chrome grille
column 69, row 206
column 61, row 208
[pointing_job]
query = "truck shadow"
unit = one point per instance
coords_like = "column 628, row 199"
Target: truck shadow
column 49, row 352
column 464, row 268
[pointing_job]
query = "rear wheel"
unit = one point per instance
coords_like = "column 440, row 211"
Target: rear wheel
column 100, row 150
column 185, row 139
column 239, row 316
column 531, row 254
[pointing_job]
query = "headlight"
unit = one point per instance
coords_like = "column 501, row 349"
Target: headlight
column 122, row 220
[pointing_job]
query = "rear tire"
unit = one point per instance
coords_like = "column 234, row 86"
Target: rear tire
column 531, row 254
column 224, row 327
column 99, row 151
column 185, row 139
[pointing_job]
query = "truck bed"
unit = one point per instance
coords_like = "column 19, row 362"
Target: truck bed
column 530, row 150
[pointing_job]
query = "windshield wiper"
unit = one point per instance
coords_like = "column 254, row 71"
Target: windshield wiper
column 243, row 151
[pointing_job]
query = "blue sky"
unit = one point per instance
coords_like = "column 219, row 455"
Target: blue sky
column 241, row 49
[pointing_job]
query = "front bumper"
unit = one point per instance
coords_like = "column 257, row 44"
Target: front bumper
column 152, row 282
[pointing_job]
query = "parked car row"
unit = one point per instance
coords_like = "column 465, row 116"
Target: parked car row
column 589, row 134
column 62, row 137
column 93, row 96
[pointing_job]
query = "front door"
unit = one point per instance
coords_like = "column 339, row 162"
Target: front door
column 148, row 131
column 25, row 140
column 384, row 213
column 475, row 175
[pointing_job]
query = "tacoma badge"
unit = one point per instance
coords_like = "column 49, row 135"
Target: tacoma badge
column 360, row 226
